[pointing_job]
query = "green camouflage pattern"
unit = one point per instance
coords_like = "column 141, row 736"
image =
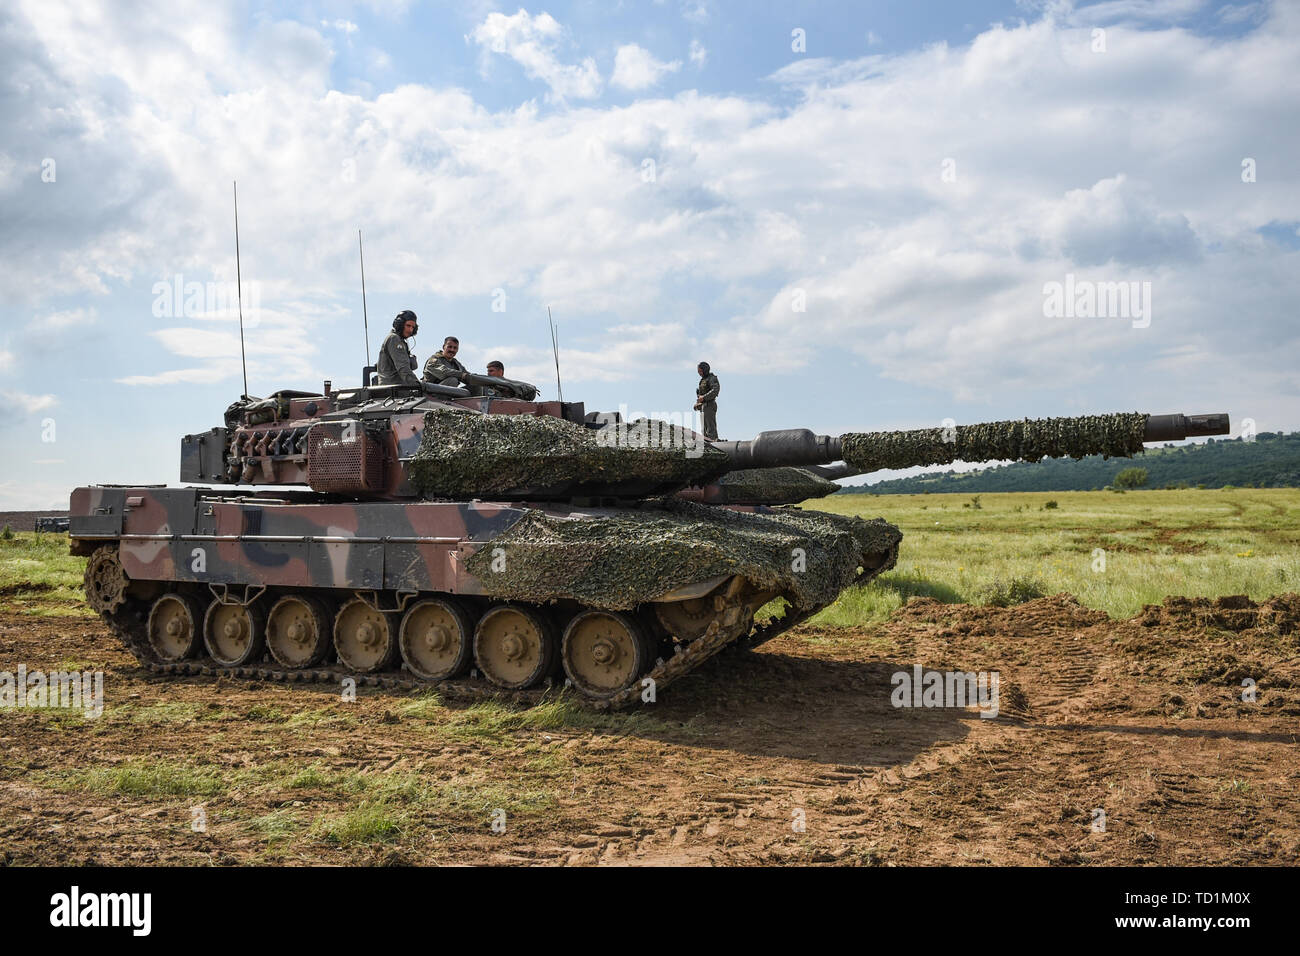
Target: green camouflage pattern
column 771, row 486
column 618, row 559
column 462, row 455
column 1118, row 435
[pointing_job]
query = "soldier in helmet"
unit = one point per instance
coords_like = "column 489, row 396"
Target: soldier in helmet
column 706, row 400
column 396, row 365
column 443, row 368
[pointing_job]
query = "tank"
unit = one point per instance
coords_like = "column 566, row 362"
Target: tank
column 488, row 543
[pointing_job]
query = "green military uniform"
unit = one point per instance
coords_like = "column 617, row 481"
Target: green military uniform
column 442, row 367
column 395, row 364
column 706, row 394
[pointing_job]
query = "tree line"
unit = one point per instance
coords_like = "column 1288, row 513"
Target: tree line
column 1271, row 460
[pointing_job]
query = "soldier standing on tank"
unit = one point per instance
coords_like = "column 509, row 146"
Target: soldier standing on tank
column 706, row 400
column 396, row 365
column 443, row 368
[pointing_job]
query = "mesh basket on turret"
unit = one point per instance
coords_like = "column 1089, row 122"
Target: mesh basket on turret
column 343, row 458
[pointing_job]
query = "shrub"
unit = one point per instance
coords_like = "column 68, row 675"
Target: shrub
column 1050, row 505
column 7, row 534
column 1014, row 591
column 1131, row 478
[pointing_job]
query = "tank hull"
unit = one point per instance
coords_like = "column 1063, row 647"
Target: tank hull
column 294, row 586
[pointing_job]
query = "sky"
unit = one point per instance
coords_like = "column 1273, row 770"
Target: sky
column 864, row 215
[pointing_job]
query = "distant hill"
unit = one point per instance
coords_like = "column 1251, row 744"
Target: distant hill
column 1272, row 460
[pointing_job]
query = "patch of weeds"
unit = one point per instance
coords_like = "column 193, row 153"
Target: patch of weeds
column 1012, row 591
column 153, row 779
column 427, row 706
column 276, row 825
column 372, row 822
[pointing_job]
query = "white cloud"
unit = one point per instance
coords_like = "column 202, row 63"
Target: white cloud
column 34, row 496
column 635, row 68
column 533, row 43
column 1242, row 13
column 206, row 375
column 29, row 403
column 699, row 55
column 68, row 319
column 696, row 11
column 1110, row 167
column 6, row 360
column 1117, row 11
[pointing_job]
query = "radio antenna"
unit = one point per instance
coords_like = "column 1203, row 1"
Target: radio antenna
column 239, row 291
column 364, row 316
column 555, row 348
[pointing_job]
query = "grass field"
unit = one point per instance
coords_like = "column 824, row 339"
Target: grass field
column 38, row 576
column 1009, row 548
column 1155, row 543
column 1146, row 722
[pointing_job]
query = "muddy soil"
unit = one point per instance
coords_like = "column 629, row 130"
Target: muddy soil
column 791, row 754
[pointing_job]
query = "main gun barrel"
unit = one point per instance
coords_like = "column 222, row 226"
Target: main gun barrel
column 1028, row 440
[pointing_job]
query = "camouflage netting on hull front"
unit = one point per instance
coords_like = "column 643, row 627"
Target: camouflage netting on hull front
column 773, row 486
column 1029, row 440
column 618, row 559
column 464, row 455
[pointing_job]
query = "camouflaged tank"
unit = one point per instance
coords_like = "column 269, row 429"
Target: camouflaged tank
column 484, row 541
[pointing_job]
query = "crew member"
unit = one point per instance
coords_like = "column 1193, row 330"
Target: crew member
column 495, row 370
column 396, row 365
column 443, row 368
column 706, row 400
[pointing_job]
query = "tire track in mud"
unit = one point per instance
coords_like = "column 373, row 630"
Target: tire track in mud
column 843, row 803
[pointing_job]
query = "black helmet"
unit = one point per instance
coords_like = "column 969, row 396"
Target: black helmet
column 406, row 315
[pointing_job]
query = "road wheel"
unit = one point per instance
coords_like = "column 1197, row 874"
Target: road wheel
column 437, row 639
column 234, row 634
column 298, row 631
column 175, row 627
column 366, row 639
column 105, row 580
column 604, row 652
column 514, row 646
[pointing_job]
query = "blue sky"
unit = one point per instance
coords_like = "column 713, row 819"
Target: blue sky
column 857, row 234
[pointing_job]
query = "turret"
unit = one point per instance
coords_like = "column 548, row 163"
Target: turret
column 398, row 442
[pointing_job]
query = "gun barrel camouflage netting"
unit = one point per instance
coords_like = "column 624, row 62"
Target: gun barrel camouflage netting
column 618, row 559
column 1117, row 435
column 476, row 456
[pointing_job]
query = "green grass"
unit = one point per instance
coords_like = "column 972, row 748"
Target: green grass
column 1157, row 543
column 367, row 823
column 1205, row 543
column 39, row 577
column 492, row 720
column 154, row 778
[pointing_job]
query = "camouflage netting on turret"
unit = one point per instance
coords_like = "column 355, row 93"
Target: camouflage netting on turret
column 1029, row 440
column 618, row 559
column 773, row 486
column 464, row 455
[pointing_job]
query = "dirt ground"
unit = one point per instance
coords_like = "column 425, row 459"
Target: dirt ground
column 1142, row 719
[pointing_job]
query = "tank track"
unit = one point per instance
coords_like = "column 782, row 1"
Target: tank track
column 128, row 623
